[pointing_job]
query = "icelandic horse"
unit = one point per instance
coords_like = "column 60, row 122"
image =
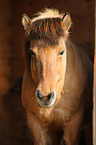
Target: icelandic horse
column 57, row 82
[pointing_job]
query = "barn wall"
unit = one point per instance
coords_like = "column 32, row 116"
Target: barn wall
column 94, row 89
column 5, row 45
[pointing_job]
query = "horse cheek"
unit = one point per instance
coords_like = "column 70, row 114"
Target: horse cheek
column 33, row 70
column 61, row 72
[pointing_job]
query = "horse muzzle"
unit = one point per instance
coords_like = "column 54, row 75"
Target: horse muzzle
column 46, row 101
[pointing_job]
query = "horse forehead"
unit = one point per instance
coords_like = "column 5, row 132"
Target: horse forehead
column 41, row 44
column 48, row 50
column 47, row 53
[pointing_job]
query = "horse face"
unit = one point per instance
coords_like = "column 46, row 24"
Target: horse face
column 48, row 65
column 48, row 61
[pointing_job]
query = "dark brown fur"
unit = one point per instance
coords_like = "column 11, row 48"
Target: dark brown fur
column 49, row 30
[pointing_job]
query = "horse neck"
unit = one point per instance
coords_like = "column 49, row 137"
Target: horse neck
column 74, row 67
column 71, row 57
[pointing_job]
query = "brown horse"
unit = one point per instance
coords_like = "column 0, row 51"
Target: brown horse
column 57, row 83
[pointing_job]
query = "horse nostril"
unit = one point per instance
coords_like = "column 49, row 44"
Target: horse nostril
column 51, row 95
column 39, row 95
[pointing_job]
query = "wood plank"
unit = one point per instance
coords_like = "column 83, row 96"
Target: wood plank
column 94, row 89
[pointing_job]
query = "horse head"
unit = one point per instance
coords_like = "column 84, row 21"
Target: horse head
column 46, row 53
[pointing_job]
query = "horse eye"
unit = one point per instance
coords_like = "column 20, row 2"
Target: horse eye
column 32, row 53
column 61, row 53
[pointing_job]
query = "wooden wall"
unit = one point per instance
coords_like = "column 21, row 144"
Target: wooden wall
column 94, row 89
column 13, row 125
column 5, row 46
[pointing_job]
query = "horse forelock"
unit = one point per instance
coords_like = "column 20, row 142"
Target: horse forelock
column 49, row 30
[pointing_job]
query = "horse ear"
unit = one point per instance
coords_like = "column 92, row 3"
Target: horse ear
column 66, row 21
column 26, row 22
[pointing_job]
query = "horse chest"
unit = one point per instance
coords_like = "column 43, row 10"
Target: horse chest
column 57, row 116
